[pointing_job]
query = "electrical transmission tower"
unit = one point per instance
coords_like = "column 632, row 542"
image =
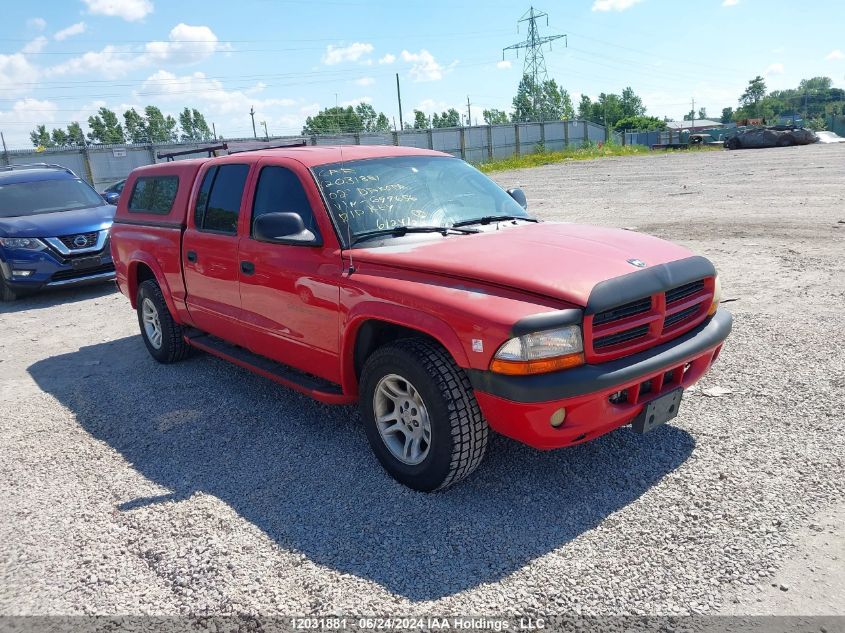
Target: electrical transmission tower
column 535, row 63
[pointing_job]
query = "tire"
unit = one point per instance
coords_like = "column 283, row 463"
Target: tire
column 732, row 143
column 785, row 141
column 457, row 435
column 169, row 346
column 6, row 293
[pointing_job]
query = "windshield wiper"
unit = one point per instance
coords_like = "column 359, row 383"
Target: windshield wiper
column 487, row 219
column 399, row 231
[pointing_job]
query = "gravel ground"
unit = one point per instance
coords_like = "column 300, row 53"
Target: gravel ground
column 128, row 487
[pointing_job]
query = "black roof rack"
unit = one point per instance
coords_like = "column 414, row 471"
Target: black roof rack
column 37, row 166
column 300, row 143
column 187, row 152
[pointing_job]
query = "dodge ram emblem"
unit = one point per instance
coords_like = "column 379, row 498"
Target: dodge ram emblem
column 637, row 262
column 79, row 241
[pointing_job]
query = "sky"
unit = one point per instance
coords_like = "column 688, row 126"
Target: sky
column 60, row 60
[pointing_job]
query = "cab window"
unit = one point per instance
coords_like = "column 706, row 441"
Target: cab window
column 280, row 190
column 219, row 201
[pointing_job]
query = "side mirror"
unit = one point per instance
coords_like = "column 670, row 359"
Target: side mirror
column 519, row 195
column 285, row 228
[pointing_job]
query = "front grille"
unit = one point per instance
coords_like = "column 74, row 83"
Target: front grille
column 70, row 240
column 629, row 309
column 672, row 319
column 681, row 292
column 75, row 274
column 621, row 337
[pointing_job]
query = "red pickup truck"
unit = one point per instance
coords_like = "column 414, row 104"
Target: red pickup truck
column 407, row 281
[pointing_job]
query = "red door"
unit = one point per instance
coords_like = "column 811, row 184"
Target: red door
column 210, row 252
column 290, row 293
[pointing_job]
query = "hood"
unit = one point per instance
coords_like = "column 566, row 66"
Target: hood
column 553, row 259
column 59, row 223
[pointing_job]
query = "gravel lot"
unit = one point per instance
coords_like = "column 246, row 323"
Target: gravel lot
column 128, row 487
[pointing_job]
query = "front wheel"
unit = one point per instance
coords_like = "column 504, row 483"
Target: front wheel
column 6, row 293
column 162, row 335
column 420, row 415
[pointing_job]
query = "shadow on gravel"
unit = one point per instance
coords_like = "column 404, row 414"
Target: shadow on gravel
column 50, row 298
column 303, row 473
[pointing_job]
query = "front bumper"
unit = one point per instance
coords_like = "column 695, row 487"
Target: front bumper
column 521, row 407
column 48, row 270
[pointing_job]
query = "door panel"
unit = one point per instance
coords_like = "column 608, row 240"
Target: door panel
column 290, row 293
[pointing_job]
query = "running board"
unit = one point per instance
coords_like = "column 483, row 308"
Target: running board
column 312, row 386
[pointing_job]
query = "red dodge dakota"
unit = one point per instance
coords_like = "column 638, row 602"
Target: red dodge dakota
column 407, row 281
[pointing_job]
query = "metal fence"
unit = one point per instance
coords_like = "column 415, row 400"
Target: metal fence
column 102, row 165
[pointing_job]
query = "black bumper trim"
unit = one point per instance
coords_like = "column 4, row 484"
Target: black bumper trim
column 591, row 378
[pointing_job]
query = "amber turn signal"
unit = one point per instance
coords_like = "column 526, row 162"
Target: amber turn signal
column 530, row 367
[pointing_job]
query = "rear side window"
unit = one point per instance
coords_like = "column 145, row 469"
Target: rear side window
column 219, row 200
column 154, row 194
column 279, row 189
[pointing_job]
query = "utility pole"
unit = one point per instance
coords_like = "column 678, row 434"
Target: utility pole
column 399, row 98
column 469, row 112
column 214, row 130
column 252, row 114
column 266, row 135
column 535, row 64
column 693, row 114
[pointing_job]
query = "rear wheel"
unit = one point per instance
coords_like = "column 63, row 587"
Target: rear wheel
column 732, row 143
column 785, row 141
column 420, row 414
column 162, row 335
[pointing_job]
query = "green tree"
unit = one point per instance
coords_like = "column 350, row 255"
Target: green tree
column 753, row 94
column 421, row 121
column 523, row 101
column 193, row 124
column 40, row 137
column 336, row 120
column 162, row 129
column 632, row 105
column 585, row 108
column 727, row 115
column 75, row 134
column 136, row 127
column 105, row 128
column 371, row 121
column 555, row 103
column 450, row 118
column 640, row 122
column 495, row 117
column 60, row 137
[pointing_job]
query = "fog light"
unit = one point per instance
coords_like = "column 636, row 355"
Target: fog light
column 558, row 417
column 21, row 273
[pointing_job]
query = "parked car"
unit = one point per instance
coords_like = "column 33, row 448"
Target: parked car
column 112, row 193
column 53, row 230
column 774, row 136
column 408, row 281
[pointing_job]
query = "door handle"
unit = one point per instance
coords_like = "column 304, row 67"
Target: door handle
column 192, row 256
column 247, row 268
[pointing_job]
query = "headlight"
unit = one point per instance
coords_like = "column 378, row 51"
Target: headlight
column 25, row 243
column 540, row 352
column 717, row 297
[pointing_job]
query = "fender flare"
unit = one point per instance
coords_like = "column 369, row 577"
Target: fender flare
column 140, row 257
column 395, row 314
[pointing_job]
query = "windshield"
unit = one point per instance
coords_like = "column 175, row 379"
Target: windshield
column 385, row 193
column 46, row 196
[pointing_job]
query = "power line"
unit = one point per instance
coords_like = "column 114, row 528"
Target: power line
column 535, row 63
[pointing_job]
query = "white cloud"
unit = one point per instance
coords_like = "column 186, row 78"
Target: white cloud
column 504, row 64
column 16, row 74
column 365, row 81
column 39, row 24
column 430, row 106
column 354, row 102
column 774, row 69
column 73, row 29
column 614, row 5
column 730, row 3
column 424, row 66
column 387, row 59
column 17, row 121
column 835, row 54
column 34, row 46
column 129, row 10
column 187, row 45
column 211, row 93
column 111, row 62
column 352, row 53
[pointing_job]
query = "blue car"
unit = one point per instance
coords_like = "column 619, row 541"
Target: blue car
column 112, row 194
column 54, row 230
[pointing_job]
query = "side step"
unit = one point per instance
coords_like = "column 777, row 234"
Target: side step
column 312, row 386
